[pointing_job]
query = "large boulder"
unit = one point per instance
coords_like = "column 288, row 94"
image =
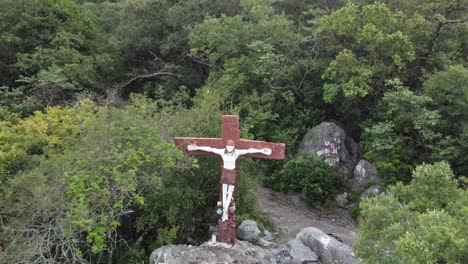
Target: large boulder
column 248, row 230
column 213, row 253
column 329, row 249
column 297, row 253
column 328, row 140
column 365, row 174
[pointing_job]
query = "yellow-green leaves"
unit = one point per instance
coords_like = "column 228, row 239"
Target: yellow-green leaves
column 44, row 132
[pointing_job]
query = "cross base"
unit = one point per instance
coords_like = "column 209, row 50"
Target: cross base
column 226, row 231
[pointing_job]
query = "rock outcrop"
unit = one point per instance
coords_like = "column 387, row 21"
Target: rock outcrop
column 297, row 253
column 214, row 253
column 329, row 249
column 310, row 246
column 248, row 230
column 328, row 140
column 365, row 174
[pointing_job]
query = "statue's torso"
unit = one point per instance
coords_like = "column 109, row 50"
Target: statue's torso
column 229, row 160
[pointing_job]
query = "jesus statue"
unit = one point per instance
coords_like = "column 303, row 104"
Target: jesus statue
column 228, row 175
column 226, row 148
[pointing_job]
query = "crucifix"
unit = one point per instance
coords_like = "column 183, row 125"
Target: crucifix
column 229, row 147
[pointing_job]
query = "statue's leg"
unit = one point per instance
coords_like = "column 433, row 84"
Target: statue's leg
column 227, row 229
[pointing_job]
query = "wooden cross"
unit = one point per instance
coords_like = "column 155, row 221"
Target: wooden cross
column 218, row 146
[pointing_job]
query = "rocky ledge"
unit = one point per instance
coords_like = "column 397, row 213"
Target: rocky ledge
column 310, row 246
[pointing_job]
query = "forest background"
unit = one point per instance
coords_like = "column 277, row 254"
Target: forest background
column 92, row 93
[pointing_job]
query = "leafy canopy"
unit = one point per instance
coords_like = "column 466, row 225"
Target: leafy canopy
column 422, row 222
column 368, row 45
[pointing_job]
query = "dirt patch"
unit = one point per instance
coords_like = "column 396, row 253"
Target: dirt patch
column 291, row 214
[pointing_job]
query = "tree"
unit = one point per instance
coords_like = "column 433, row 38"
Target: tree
column 435, row 29
column 403, row 131
column 84, row 192
column 50, row 49
column 418, row 222
column 153, row 35
column 262, row 63
column 368, row 47
column 449, row 92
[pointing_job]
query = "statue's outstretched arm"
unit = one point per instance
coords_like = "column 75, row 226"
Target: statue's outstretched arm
column 193, row 147
column 265, row 151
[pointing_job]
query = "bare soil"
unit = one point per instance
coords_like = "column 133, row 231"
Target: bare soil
column 291, row 214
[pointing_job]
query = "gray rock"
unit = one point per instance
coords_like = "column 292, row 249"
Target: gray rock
column 270, row 237
column 342, row 199
column 248, row 230
column 328, row 140
column 329, row 249
column 283, row 230
column 298, row 253
column 211, row 253
column 264, row 243
column 374, row 190
column 294, row 252
column 364, row 174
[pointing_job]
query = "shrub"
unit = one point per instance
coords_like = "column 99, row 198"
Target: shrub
column 85, row 199
column 307, row 174
column 46, row 132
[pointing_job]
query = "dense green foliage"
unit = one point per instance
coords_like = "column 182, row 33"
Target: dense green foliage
column 309, row 175
column 83, row 190
column 51, row 53
column 92, row 93
column 422, row 222
column 88, row 183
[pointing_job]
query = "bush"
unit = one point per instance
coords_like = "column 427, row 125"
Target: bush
column 85, row 199
column 307, row 174
column 46, row 132
column 422, row 222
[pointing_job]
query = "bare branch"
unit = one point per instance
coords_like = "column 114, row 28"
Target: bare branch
column 145, row 76
column 455, row 21
column 303, row 78
column 157, row 58
column 111, row 96
column 202, row 62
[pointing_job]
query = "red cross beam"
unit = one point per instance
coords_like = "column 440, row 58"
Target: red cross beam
column 219, row 146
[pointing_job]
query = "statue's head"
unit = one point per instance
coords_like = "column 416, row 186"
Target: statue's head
column 230, row 145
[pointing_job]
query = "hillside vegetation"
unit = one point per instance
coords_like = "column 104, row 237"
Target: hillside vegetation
column 93, row 92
